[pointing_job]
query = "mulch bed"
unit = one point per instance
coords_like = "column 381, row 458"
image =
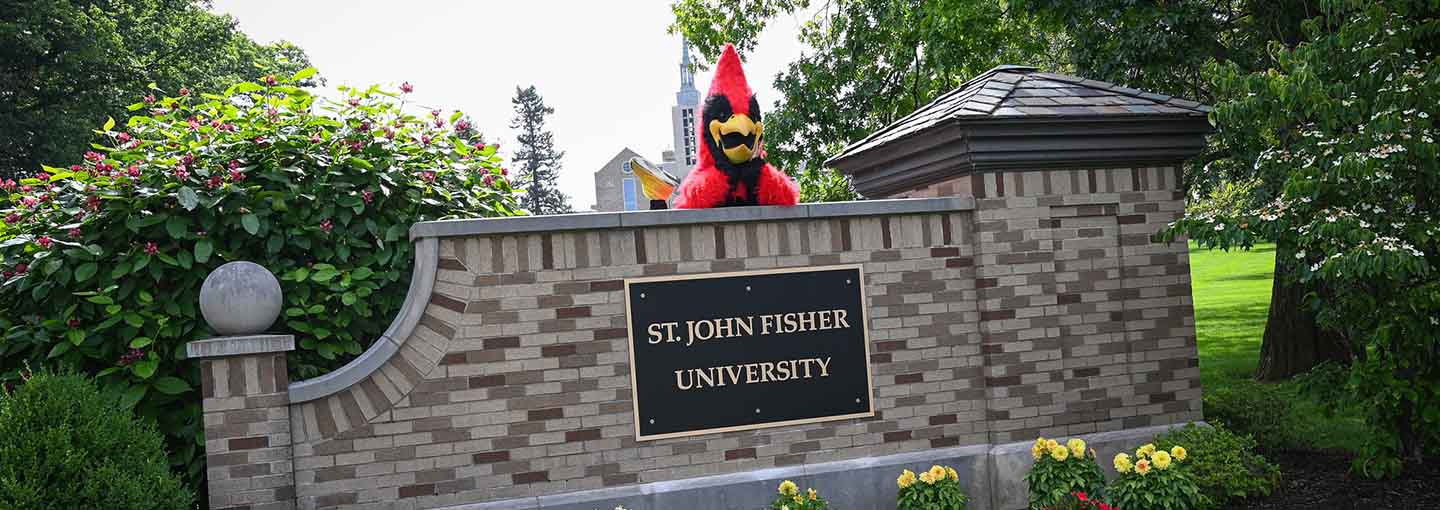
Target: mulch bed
column 1322, row 480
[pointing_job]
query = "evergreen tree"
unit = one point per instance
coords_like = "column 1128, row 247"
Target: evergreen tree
column 536, row 158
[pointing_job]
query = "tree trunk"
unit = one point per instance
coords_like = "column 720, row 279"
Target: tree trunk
column 1293, row 343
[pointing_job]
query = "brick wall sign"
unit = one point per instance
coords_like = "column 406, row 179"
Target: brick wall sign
column 746, row 350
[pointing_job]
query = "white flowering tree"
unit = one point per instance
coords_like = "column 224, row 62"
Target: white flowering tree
column 1345, row 125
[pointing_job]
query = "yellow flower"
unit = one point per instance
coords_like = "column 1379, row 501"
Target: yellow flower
column 798, row 500
column 1162, row 460
column 1077, row 447
column 1122, row 463
column 1145, row 451
column 951, row 474
column 813, row 495
column 1050, row 444
column 1059, row 453
column 784, row 507
column 1142, row 467
column 1092, row 453
column 1178, row 452
column 1038, row 450
column 937, row 473
column 906, row 479
column 925, row 477
column 788, row 488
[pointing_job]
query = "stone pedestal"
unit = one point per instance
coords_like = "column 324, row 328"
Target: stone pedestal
column 247, row 421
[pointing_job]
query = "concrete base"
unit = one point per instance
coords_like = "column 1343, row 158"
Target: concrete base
column 993, row 476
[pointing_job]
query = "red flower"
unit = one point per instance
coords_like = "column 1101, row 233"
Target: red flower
column 21, row 268
column 44, row 242
column 75, row 233
column 496, row 146
column 368, row 196
column 269, row 79
column 6, row 274
column 25, row 188
column 425, row 139
column 149, row 99
column 237, row 176
column 365, row 126
column 73, row 323
column 42, row 176
column 428, row 176
column 7, row 184
column 181, row 172
column 131, row 357
column 407, row 87
column 12, row 218
column 439, row 123
column 435, row 113
column 184, row 91
column 215, row 182
column 94, row 156
column 326, row 226
column 504, row 171
column 233, row 164
column 151, row 249
column 29, row 202
column 187, row 159
column 1104, row 506
column 462, row 125
column 134, row 170
column 1081, row 496
column 356, row 145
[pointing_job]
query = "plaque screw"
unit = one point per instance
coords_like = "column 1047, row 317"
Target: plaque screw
column 652, row 420
column 757, row 410
column 642, row 295
column 747, row 288
column 847, row 282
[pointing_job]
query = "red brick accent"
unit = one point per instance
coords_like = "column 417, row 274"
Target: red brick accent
column 530, row 477
column 582, row 435
column 424, row 489
column 249, row 443
column 740, row 453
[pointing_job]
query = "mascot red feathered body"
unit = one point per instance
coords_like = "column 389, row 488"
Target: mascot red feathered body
column 730, row 167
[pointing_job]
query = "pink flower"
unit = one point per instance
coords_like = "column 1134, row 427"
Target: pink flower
column 93, row 202
column 504, row 171
column 272, row 111
column 233, row 165
column 326, row 226
column 22, row 268
column 496, row 146
column 6, row 274
column 134, row 170
column 29, row 202
column 368, row 196
column 184, row 91
column 94, row 156
column 131, row 357
column 123, row 136
column 25, row 188
column 187, row 159
column 149, row 99
column 439, row 123
column 365, row 126
column 489, row 179
column 12, row 218
column 181, row 172
column 7, row 184
column 407, row 87
column 75, row 233
column 42, row 176
column 316, row 139
column 44, row 242
column 462, row 125
column 269, row 79
column 194, row 124
column 356, row 145
column 354, row 101
column 435, row 113
column 389, row 132
column 151, row 249
column 237, row 176
column 425, row 139
column 158, row 112
column 215, row 182
column 428, row 176
column 104, row 168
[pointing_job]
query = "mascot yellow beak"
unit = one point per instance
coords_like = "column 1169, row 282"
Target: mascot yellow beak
column 738, row 137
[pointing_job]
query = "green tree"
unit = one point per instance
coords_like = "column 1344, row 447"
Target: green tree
column 871, row 62
column 1345, row 125
column 1168, row 47
column 536, row 156
column 67, row 65
column 101, row 263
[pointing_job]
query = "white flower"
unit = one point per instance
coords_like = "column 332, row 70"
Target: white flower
column 1219, row 227
column 1299, row 255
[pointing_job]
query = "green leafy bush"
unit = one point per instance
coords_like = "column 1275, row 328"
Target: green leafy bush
column 1223, row 464
column 1152, row 480
column 1261, row 410
column 937, row 488
column 102, row 262
column 67, row 447
column 1062, row 470
column 790, row 498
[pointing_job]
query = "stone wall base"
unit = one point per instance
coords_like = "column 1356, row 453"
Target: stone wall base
column 993, row 476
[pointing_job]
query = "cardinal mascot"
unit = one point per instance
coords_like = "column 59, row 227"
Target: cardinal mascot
column 730, row 168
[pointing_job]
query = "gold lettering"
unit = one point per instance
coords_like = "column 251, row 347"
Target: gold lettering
column 824, row 366
column 789, row 319
column 767, row 372
column 670, row 332
column 750, row 377
column 840, row 319
column 824, row 319
column 680, row 381
column 703, row 333
column 765, row 324
column 702, row 375
column 654, row 333
column 785, row 369
column 734, row 371
column 745, row 323
column 807, row 321
column 723, row 327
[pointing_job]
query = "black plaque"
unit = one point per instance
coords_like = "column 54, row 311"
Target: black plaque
column 737, row 351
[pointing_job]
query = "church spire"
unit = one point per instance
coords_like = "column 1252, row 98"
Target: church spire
column 687, row 76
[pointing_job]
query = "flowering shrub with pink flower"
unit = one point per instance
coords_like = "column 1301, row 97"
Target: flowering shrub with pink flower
column 101, row 263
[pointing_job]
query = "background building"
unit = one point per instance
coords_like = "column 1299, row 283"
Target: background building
column 615, row 186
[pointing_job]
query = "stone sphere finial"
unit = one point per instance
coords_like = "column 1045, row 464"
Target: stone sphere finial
column 240, row 298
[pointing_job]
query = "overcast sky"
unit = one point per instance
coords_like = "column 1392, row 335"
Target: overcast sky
column 607, row 67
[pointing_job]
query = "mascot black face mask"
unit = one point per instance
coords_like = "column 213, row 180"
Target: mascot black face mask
column 730, row 168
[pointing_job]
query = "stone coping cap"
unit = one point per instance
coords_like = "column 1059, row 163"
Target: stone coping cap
column 675, row 217
column 239, row 345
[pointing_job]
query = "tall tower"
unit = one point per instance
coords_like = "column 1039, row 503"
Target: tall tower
column 682, row 115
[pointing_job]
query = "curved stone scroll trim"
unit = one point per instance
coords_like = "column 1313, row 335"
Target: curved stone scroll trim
column 422, row 283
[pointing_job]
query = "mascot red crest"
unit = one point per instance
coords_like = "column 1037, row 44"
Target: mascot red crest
column 730, row 167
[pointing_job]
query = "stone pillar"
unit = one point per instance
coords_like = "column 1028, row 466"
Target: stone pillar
column 247, row 421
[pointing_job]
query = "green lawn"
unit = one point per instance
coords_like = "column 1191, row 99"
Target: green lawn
column 1232, row 297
